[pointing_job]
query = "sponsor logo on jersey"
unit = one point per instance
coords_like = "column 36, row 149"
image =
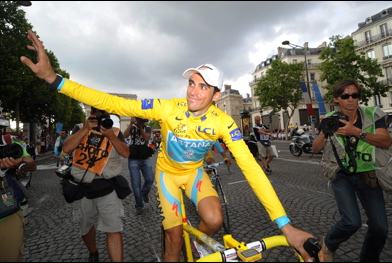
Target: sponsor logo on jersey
column 147, row 104
column 187, row 150
column 206, row 130
column 236, row 134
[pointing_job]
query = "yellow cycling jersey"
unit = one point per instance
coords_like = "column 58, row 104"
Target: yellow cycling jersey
column 186, row 138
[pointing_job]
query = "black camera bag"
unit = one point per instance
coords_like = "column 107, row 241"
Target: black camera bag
column 72, row 190
column 121, row 186
column 98, row 188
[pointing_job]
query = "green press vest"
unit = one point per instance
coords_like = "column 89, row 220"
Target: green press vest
column 365, row 152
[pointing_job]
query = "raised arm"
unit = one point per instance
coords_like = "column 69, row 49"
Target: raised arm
column 154, row 109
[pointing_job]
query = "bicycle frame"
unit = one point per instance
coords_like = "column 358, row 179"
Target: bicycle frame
column 232, row 248
column 212, row 171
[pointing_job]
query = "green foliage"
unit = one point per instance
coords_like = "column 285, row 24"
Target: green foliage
column 340, row 62
column 154, row 124
column 18, row 85
column 280, row 88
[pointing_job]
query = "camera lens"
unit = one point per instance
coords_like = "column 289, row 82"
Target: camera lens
column 107, row 123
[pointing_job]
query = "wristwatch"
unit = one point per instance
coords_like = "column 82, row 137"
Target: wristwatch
column 363, row 135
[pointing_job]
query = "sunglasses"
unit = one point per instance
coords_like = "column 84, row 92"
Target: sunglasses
column 347, row 96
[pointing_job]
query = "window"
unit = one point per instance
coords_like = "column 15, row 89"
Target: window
column 390, row 98
column 377, row 101
column 368, row 37
column 295, row 61
column 312, row 76
column 384, row 30
column 388, row 74
column 309, row 61
column 371, row 54
column 387, row 49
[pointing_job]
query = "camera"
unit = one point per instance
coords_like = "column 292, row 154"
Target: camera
column 103, row 120
column 12, row 150
column 64, row 172
column 141, row 122
column 332, row 123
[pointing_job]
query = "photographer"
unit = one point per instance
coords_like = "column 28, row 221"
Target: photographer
column 97, row 158
column 348, row 160
column 140, row 161
column 11, row 217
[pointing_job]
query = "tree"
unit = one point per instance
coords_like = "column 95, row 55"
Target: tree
column 25, row 97
column 280, row 88
column 154, row 124
column 340, row 62
column 13, row 76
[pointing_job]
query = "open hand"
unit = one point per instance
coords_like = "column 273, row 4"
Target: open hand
column 43, row 69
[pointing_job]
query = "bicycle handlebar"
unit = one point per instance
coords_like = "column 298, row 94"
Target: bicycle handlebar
column 214, row 165
column 311, row 245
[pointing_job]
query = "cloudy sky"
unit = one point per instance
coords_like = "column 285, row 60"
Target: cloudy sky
column 142, row 48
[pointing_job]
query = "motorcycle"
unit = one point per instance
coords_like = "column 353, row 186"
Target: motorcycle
column 301, row 143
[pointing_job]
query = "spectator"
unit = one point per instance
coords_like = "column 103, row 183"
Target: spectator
column 140, row 161
column 11, row 218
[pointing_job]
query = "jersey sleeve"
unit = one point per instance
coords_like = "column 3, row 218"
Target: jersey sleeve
column 152, row 109
column 256, row 177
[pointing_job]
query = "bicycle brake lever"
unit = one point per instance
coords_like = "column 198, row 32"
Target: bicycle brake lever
column 312, row 247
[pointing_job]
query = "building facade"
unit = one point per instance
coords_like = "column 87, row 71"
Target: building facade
column 231, row 102
column 374, row 39
column 289, row 55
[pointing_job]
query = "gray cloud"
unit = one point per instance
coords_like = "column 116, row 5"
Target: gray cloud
column 143, row 47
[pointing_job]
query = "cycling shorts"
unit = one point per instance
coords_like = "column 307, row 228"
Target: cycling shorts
column 197, row 187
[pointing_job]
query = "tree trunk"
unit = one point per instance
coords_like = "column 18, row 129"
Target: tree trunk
column 288, row 122
column 17, row 116
column 32, row 133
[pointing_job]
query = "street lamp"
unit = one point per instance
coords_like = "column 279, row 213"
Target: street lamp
column 308, row 105
column 24, row 3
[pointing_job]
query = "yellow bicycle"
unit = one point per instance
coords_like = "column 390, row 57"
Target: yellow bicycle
column 232, row 249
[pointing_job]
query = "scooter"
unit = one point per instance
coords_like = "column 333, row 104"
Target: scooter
column 301, row 143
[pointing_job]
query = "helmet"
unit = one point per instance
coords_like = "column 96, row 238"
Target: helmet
column 300, row 131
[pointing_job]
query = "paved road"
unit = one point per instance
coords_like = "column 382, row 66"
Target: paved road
column 52, row 233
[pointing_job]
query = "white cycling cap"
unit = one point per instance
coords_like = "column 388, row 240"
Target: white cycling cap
column 210, row 74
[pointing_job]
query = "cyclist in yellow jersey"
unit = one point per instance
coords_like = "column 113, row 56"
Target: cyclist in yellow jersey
column 189, row 128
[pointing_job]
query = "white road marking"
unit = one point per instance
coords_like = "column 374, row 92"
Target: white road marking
column 46, row 167
column 237, row 182
column 298, row 161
